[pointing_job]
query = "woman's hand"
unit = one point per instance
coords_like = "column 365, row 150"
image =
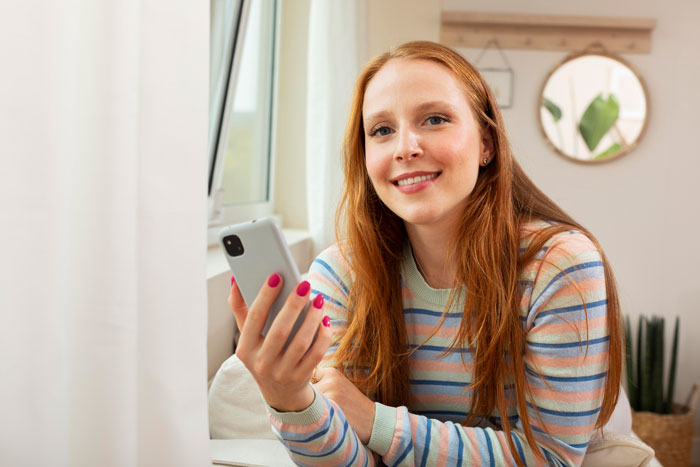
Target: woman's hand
column 282, row 375
column 358, row 408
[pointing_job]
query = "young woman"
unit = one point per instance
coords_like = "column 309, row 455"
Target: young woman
column 472, row 321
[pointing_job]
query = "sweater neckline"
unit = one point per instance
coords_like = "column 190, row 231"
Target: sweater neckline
column 416, row 283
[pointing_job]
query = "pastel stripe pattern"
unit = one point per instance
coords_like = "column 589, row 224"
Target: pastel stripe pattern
column 563, row 311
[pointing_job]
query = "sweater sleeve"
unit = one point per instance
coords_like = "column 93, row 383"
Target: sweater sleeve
column 321, row 435
column 564, row 314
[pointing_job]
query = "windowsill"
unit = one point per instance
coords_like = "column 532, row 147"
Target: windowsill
column 298, row 240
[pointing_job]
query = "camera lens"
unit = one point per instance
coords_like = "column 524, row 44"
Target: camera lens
column 233, row 245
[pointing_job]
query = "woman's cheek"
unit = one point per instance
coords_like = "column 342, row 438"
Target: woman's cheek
column 376, row 168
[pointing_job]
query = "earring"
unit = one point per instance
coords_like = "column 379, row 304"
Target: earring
column 486, row 160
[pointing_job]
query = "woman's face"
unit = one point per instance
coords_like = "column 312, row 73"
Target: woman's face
column 423, row 146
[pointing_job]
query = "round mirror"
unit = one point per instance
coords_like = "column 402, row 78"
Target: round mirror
column 593, row 107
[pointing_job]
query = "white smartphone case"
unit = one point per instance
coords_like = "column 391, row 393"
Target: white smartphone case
column 264, row 251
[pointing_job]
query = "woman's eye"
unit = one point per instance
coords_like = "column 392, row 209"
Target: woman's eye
column 436, row 120
column 381, row 131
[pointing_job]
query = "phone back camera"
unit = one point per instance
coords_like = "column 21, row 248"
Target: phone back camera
column 233, row 245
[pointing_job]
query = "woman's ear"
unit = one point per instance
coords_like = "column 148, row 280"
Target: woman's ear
column 487, row 152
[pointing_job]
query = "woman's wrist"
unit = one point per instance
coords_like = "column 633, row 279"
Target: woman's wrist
column 365, row 433
column 296, row 403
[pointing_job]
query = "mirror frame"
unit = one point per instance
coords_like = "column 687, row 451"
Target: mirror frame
column 609, row 55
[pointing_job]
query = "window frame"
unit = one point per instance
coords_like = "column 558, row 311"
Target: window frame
column 219, row 215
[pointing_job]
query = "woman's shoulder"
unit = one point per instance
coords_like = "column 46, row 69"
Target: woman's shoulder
column 333, row 256
column 566, row 270
column 571, row 243
column 331, row 268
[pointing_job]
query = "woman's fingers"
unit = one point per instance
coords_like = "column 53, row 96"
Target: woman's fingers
column 237, row 304
column 318, row 350
column 284, row 322
column 259, row 310
column 321, row 378
column 304, row 337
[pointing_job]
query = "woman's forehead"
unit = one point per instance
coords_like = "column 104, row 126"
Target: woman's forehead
column 403, row 82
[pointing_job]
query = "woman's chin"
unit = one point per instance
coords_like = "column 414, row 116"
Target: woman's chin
column 422, row 219
column 431, row 217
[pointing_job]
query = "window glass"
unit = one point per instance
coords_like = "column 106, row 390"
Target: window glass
column 224, row 21
column 247, row 138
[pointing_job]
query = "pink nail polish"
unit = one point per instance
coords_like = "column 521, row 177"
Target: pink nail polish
column 318, row 301
column 233, row 279
column 303, row 288
column 326, row 321
column 273, row 280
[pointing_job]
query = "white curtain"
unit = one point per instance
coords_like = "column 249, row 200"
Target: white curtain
column 103, row 150
column 337, row 49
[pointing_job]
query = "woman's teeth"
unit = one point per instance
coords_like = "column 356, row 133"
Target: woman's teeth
column 412, row 180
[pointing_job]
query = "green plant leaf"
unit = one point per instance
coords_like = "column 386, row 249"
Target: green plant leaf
column 631, row 383
column 658, row 368
column 611, row 151
column 647, row 402
column 598, row 118
column 640, row 372
column 553, row 108
column 672, row 372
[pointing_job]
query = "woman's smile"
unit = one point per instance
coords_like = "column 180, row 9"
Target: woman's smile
column 414, row 182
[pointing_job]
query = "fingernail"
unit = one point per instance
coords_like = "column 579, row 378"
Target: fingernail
column 273, row 280
column 233, row 279
column 303, row 288
column 318, row 301
column 326, row 321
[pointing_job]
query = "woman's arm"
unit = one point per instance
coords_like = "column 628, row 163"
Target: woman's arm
column 322, row 434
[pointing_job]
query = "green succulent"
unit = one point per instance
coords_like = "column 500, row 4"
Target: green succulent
column 645, row 386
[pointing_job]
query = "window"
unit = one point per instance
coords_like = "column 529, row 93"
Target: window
column 242, row 90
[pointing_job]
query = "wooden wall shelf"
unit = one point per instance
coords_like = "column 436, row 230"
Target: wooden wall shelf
column 546, row 32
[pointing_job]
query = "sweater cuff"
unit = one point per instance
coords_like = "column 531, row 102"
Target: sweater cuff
column 382, row 429
column 309, row 415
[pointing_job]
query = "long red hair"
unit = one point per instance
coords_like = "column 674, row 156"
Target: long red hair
column 373, row 349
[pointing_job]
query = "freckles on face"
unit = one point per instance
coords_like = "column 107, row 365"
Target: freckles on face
column 422, row 143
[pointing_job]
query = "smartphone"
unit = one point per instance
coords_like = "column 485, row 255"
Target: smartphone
column 254, row 250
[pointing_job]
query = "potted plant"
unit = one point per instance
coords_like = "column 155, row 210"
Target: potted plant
column 664, row 425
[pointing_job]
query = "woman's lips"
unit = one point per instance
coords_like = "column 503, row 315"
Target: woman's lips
column 416, row 187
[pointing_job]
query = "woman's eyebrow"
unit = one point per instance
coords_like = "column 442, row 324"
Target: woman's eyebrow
column 435, row 104
column 376, row 116
column 422, row 107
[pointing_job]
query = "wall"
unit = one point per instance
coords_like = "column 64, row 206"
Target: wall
column 290, row 167
column 392, row 22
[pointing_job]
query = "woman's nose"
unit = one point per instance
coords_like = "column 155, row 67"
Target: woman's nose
column 407, row 145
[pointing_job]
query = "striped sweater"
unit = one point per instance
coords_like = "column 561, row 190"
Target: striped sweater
column 567, row 269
